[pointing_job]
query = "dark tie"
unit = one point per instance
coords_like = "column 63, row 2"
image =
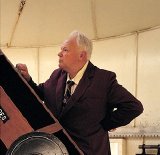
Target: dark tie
column 68, row 92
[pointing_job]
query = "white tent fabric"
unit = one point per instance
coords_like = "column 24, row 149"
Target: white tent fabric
column 37, row 23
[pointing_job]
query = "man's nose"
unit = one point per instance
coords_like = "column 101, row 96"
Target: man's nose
column 60, row 54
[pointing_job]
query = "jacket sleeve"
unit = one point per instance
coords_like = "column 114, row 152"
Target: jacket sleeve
column 37, row 88
column 123, row 106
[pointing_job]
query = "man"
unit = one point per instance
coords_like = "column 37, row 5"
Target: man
column 97, row 103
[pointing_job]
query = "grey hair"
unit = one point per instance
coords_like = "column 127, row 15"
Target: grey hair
column 83, row 42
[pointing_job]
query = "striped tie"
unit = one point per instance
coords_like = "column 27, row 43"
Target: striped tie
column 68, row 92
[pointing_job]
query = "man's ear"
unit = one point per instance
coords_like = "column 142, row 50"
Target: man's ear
column 83, row 54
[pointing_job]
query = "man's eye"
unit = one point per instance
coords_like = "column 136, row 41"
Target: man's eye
column 65, row 50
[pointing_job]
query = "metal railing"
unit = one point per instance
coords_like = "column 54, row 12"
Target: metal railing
column 144, row 147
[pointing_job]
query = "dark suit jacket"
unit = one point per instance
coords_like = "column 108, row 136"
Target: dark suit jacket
column 89, row 113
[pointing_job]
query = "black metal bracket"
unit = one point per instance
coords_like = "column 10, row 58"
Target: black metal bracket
column 144, row 147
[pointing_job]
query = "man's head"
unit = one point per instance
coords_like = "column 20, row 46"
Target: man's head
column 75, row 52
column 83, row 42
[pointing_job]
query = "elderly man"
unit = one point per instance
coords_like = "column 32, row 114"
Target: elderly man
column 84, row 97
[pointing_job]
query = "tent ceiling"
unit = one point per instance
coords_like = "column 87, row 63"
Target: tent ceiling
column 48, row 22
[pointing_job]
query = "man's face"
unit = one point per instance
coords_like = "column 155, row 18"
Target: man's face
column 69, row 54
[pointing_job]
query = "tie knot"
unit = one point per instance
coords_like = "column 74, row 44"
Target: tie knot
column 70, row 83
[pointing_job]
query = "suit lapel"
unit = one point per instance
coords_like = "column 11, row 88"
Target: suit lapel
column 60, row 91
column 80, row 89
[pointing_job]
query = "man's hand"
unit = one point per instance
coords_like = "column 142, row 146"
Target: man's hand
column 22, row 68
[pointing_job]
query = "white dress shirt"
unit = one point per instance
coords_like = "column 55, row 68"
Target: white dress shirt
column 77, row 78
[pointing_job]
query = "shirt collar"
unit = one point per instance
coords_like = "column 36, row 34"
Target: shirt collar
column 79, row 75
